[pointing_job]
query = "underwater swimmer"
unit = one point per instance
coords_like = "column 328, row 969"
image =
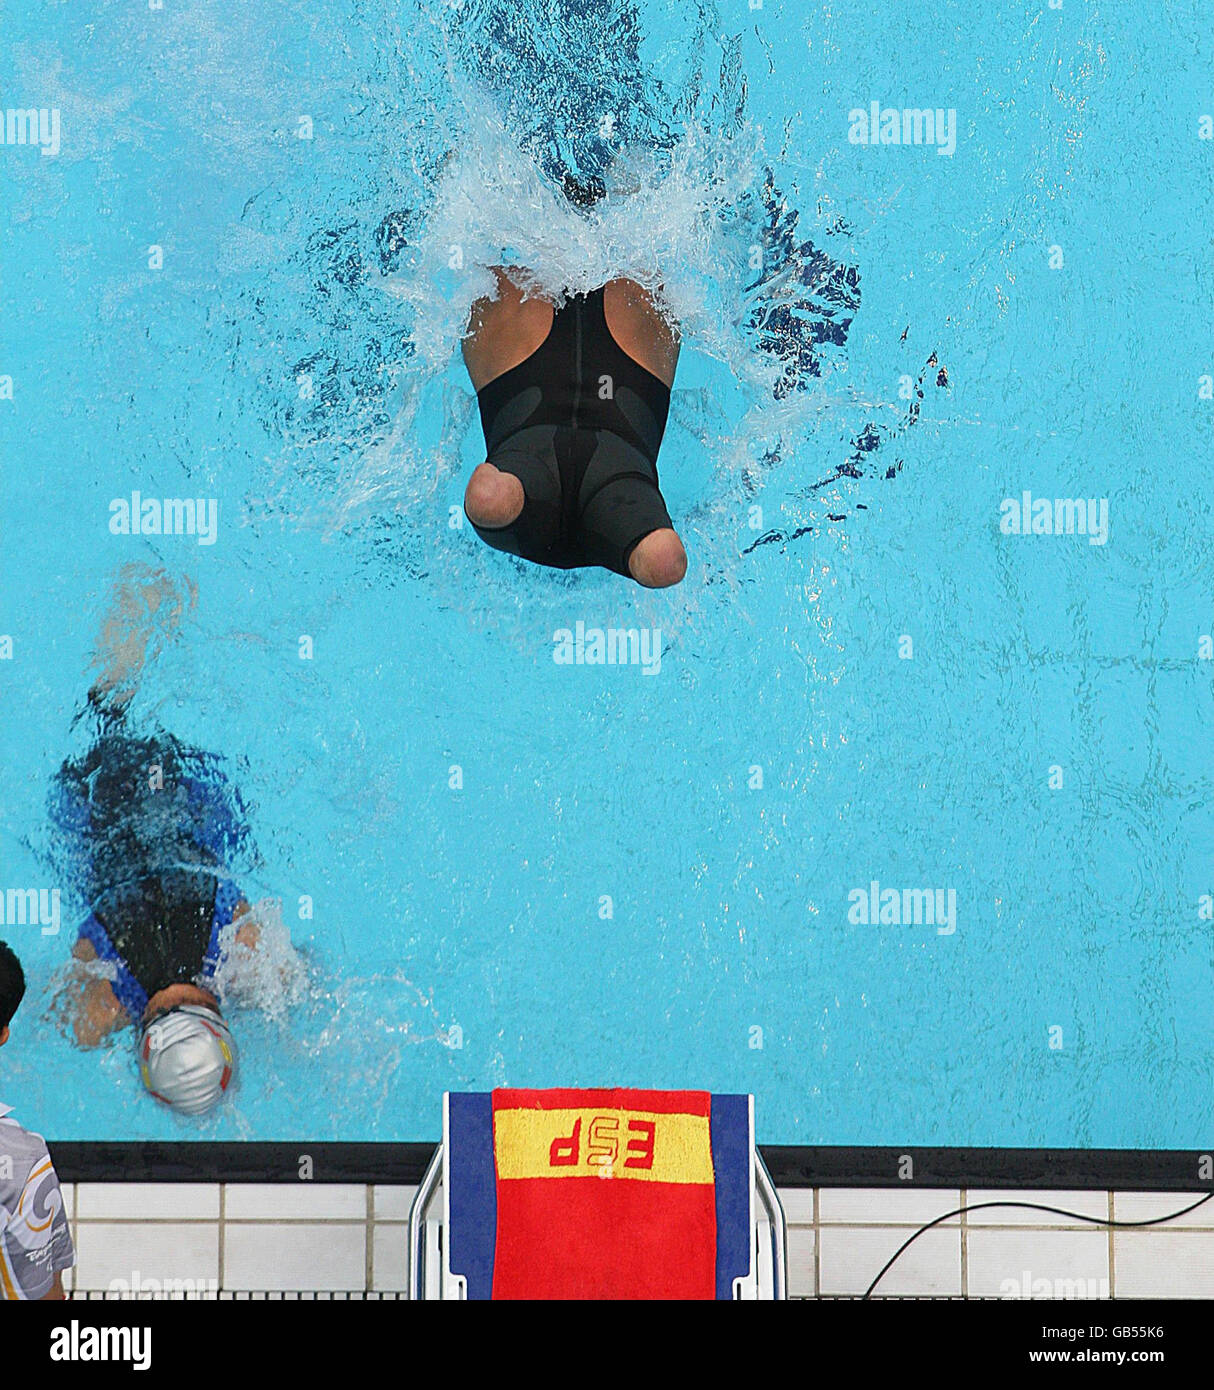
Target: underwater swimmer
column 573, row 402
column 145, row 822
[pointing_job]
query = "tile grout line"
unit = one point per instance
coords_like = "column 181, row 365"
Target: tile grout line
column 238, row 1220
column 222, row 1229
column 1112, row 1247
column 965, row 1243
column 369, row 1269
column 817, row 1245
column 983, row 1227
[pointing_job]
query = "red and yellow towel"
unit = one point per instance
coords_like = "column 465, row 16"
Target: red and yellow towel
column 604, row 1194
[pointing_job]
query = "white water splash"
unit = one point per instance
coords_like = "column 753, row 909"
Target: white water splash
column 270, row 975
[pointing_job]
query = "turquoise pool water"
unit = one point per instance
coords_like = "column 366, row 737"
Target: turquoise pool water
column 526, row 872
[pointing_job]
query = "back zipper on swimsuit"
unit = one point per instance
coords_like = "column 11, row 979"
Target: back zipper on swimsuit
column 577, row 361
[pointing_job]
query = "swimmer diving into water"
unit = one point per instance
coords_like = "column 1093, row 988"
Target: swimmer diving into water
column 573, row 402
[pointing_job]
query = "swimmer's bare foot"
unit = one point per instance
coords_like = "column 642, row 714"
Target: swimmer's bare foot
column 493, row 498
column 659, row 560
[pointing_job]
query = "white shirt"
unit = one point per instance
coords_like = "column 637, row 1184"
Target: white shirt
column 35, row 1242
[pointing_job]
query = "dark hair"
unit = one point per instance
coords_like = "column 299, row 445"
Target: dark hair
column 12, row 984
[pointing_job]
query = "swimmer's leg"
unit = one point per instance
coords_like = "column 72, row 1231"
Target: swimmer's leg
column 513, row 500
column 624, row 525
column 146, row 609
column 493, row 498
column 658, row 560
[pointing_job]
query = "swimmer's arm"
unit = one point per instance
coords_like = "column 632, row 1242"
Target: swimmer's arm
column 248, row 934
column 639, row 327
column 504, row 329
column 95, row 1011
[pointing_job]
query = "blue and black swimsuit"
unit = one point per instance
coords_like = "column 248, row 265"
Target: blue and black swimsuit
column 147, row 826
column 161, row 931
column 579, row 423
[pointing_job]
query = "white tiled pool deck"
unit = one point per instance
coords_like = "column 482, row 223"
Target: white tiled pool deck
column 353, row 1239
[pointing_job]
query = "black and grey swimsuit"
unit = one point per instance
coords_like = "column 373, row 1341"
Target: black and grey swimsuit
column 579, row 423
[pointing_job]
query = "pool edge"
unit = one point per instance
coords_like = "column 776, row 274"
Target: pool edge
column 1146, row 1170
